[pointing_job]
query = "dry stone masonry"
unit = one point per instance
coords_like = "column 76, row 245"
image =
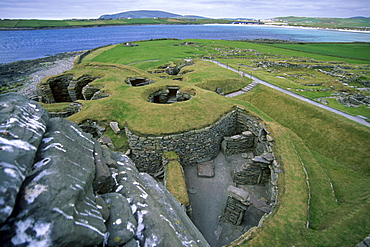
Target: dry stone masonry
column 64, row 88
column 196, row 146
column 171, row 94
column 138, row 81
column 235, row 133
column 236, row 205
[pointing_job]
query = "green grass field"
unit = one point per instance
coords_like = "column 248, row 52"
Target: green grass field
column 358, row 51
column 86, row 23
column 330, row 152
column 326, row 146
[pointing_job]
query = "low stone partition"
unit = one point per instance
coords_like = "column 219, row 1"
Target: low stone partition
column 236, row 205
column 238, row 143
column 196, row 146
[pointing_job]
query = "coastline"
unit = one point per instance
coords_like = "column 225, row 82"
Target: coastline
column 297, row 27
column 250, row 25
column 23, row 76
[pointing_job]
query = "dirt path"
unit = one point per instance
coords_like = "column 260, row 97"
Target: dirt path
column 256, row 80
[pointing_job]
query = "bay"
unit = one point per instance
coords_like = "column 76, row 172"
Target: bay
column 31, row 44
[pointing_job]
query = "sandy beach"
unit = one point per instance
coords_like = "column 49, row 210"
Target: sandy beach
column 296, row 27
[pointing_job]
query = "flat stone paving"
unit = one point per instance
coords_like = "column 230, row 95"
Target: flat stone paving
column 208, row 196
column 206, row 169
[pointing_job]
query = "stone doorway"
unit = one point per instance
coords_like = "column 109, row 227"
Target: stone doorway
column 172, row 95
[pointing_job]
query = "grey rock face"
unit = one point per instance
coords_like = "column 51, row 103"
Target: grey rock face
column 57, row 203
column 103, row 181
column 161, row 220
column 121, row 224
column 22, row 125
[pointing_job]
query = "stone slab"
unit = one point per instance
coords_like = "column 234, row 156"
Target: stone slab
column 239, row 194
column 206, row 169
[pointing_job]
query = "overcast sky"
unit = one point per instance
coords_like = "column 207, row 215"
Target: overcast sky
column 259, row 9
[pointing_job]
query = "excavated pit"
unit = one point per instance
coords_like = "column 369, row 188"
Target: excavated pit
column 138, row 81
column 230, row 171
column 65, row 88
column 171, row 94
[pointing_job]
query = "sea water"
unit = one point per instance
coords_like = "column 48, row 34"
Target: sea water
column 31, row 44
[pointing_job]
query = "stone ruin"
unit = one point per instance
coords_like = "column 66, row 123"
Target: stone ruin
column 173, row 69
column 171, row 94
column 354, row 100
column 138, row 81
column 235, row 134
column 64, row 88
column 238, row 143
column 236, row 205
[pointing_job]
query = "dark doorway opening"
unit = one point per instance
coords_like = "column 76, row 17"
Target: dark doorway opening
column 156, row 99
column 172, row 95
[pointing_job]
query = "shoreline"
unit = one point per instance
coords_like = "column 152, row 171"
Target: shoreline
column 111, row 25
column 23, row 76
column 297, row 27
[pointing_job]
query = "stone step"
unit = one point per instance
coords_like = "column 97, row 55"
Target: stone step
column 243, row 90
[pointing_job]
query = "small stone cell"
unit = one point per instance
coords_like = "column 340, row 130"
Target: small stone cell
column 138, row 81
column 171, row 94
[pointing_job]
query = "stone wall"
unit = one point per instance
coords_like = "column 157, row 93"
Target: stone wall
column 196, row 146
column 192, row 147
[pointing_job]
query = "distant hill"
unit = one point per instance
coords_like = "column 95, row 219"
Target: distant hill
column 148, row 14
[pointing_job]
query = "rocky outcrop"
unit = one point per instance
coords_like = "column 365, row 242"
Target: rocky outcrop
column 22, row 125
column 59, row 187
column 71, row 109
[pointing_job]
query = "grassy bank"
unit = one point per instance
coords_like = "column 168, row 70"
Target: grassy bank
column 329, row 152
